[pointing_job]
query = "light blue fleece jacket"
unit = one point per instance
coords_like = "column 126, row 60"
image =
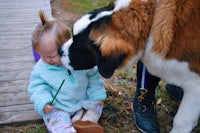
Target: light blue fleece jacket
column 81, row 85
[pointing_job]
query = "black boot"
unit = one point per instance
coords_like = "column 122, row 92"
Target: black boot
column 143, row 103
column 175, row 92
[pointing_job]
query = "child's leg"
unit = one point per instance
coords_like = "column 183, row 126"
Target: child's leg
column 88, row 123
column 59, row 122
column 94, row 111
column 77, row 116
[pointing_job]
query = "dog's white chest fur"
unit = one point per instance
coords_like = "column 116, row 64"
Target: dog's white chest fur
column 173, row 71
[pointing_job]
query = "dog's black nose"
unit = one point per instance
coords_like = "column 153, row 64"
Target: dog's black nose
column 60, row 51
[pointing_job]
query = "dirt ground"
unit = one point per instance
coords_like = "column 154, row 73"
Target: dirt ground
column 60, row 11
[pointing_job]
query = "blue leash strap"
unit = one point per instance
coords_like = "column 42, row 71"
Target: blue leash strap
column 143, row 89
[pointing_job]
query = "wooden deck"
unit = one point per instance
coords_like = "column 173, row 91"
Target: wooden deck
column 18, row 19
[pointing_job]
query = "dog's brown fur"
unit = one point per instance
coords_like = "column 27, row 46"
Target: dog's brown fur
column 128, row 31
column 174, row 25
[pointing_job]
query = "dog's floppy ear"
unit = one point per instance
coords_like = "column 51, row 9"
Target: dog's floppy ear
column 108, row 64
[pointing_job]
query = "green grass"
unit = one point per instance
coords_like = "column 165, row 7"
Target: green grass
column 84, row 6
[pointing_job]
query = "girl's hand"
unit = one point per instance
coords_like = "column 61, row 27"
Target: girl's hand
column 48, row 109
column 101, row 102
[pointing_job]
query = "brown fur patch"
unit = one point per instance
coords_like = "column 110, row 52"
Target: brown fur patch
column 175, row 27
column 176, row 31
column 162, row 29
column 128, row 30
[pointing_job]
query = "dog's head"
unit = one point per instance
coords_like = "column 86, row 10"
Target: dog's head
column 109, row 37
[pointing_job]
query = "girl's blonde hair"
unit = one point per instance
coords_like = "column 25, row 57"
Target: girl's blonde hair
column 59, row 31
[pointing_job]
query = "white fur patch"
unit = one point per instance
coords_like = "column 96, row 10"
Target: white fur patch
column 102, row 14
column 81, row 24
column 132, row 61
column 157, row 1
column 119, row 4
column 84, row 21
column 65, row 58
column 173, row 71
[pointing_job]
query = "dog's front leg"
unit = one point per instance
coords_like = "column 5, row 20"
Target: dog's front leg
column 188, row 112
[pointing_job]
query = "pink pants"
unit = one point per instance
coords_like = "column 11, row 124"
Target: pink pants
column 59, row 121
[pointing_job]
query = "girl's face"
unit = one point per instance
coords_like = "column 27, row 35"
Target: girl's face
column 51, row 58
column 48, row 51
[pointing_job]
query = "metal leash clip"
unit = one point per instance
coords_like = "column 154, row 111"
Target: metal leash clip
column 143, row 92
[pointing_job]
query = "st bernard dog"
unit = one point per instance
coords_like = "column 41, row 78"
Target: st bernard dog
column 164, row 34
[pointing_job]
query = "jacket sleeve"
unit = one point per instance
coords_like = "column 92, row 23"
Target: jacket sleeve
column 39, row 92
column 96, row 89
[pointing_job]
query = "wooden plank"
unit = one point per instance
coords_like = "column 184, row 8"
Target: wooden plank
column 31, row 12
column 8, row 99
column 10, row 27
column 15, row 47
column 18, row 20
column 19, row 115
column 16, row 58
column 15, row 75
column 13, row 86
column 25, row 3
column 22, row 107
column 14, row 32
column 15, row 41
column 19, row 23
column 16, row 36
column 15, row 29
column 9, row 52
